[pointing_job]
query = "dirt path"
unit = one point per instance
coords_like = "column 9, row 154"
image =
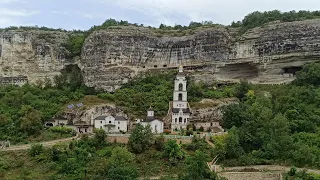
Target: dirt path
column 46, row 144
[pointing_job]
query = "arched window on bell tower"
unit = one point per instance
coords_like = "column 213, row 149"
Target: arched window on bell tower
column 180, row 87
column 180, row 97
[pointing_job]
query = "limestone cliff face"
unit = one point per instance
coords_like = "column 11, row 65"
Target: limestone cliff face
column 269, row 54
column 31, row 55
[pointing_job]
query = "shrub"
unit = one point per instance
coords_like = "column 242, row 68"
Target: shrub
column 62, row 130
column 106, row 96
column 189, row 132
column 159, row 143
column 36, row 149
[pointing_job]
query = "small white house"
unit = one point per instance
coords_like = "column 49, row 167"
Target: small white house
column 111, row 124
column 156, row 125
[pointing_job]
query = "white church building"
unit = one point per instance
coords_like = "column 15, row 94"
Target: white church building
column 180, row 106
column 155, row 124
column 111, row 124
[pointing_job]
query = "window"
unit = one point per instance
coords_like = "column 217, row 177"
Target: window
column 109, row 122
column 85, row 130
column 100, row 122
column 176, row 120
column 185, row 120
column 180, row 119
column 118, row 127
column 118, row 122
column 180, row 97
column 180, row 87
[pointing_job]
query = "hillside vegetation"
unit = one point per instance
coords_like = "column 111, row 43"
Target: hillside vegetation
column 275, row 124
column 23, row 110
column 156, row 90
column 94, row 158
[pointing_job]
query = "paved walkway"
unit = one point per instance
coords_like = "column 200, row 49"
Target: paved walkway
column 46, row 144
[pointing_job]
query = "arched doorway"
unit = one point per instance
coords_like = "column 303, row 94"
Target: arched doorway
column 180, row 120
column 180, row 97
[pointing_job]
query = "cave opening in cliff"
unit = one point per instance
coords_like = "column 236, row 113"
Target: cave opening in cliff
column 291, row 70
column 238, row 71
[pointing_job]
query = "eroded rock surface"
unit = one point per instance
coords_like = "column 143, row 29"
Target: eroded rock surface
column 270, row 54
column 31, row 55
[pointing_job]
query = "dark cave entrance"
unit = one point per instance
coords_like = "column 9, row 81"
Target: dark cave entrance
column 291, row 70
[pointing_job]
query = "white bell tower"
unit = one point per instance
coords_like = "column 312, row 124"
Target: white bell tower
column 180, row 108
column 180, row 99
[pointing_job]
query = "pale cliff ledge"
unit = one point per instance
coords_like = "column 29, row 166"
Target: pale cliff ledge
column 270, row 54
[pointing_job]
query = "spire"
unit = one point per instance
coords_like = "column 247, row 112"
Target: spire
column 180, row 68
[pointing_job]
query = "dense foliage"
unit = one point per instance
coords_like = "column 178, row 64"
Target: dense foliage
column 23, row 110
column 278, row 125
column 294, row 174
column 94, row 158
column 156, row 90
column 141, row 139
column 257, row 18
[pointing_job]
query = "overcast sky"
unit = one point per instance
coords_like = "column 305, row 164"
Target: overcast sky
column 82, row 14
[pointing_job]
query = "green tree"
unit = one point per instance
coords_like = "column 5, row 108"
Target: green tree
column 173, row 151
column 100, row 137
column 30, row 122
column 197, row 169
column 121, row 166
column 309, row 75
column 242, row 89
column 140, row 139
column 36, row 149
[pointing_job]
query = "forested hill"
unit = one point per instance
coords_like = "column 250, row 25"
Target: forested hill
column 277, row 124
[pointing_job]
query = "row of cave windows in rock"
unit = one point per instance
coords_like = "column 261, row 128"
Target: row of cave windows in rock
column 180, row 120
column 156, row 66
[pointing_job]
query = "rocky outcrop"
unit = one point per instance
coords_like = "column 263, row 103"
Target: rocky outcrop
column 269, row 54
column 209, row 110
column 27, row 56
